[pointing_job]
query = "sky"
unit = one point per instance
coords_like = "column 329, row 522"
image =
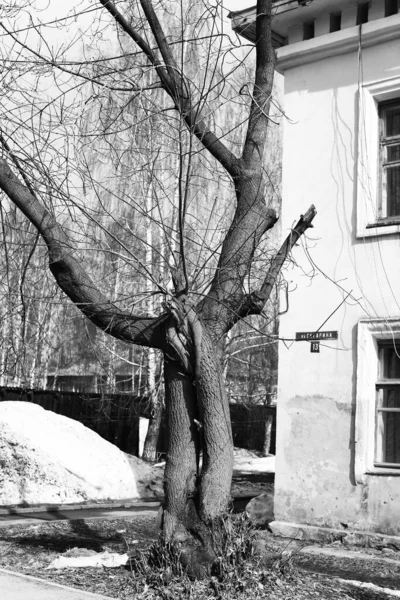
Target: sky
column 50, row 9
column 239, row 4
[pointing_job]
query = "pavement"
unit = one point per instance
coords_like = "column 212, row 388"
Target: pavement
column 14, row 586
column 32, row 516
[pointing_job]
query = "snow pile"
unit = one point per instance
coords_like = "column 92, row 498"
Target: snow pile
column 250, row 461
column 47, row 458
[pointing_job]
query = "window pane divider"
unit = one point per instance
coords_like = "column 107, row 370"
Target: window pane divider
column 391, row 140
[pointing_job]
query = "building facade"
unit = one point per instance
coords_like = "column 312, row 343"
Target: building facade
column 338, row 422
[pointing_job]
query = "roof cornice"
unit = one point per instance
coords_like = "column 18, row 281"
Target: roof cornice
column 340, row 42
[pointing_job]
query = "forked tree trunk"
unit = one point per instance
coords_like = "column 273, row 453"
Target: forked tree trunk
column 198, row 420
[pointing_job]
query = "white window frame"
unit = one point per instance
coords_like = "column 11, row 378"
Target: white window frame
column 385, row 143
column 370, row 333
column 381, row 410
column 368, row 180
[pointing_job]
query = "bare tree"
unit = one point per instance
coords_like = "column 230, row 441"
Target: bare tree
column 196, row 313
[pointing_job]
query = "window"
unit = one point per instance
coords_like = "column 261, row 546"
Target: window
column 391, row 7
column 377, row 418
column 387, row 436
column 308, row 30
column 378, row 159
column 335, row 22
column 123, row 383
column 390, row 160
column 362, row 13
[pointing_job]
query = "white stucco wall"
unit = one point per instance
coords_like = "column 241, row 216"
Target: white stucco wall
column 316, row 482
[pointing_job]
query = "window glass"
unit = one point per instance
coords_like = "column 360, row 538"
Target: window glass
column 390, row 160
column 388, row 442
column 393, row 191
column 387, row 451
column 393, row 153
column 390, row 398
column 392, row 121
column 390, row 358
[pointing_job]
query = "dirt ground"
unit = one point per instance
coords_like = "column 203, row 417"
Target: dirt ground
column 31, row 549
column 318, row 571
column 378, row 567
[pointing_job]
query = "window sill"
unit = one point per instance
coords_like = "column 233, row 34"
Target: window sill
column 383, row 227
column 384, row 222
column 384, row 471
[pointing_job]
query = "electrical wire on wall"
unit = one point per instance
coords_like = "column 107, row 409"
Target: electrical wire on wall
column 370, row 198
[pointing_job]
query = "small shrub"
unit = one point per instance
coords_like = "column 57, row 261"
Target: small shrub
column 233, row 540
column 162, row 561
column 238, row 573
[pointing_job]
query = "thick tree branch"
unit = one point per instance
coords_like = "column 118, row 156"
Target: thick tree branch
column 256, row 137
column 174, row 84
column 251, row 221
column 161, row 42
column 143, row 45
column 255, row 302
column 252, row 218
column 73, row 279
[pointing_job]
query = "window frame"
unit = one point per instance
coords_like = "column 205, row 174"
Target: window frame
column 383, row 383
column 371, row 333
column 384, row 143
column 368, row 179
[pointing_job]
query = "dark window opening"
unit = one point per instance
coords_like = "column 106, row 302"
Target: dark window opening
column 391, row 7
column 362, row 13
column 335, row 22
column 387, row 435
column 308, row 30
column 389, row 205
column 123, row 383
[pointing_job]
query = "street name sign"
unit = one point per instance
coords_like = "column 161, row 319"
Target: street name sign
column 309, row 336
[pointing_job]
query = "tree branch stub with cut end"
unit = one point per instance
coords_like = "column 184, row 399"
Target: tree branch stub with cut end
column 255, row 302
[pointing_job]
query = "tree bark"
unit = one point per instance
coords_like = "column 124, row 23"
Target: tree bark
column 216, row 474
column 267, row 435
column 181, row 471
column 153, row 432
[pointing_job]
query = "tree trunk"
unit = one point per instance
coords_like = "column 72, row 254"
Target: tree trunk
column 216, row 475
column 198, row 418
column 267, row 435
column 153, row 432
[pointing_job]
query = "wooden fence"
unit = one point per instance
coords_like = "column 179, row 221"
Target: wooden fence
column 115, row 417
